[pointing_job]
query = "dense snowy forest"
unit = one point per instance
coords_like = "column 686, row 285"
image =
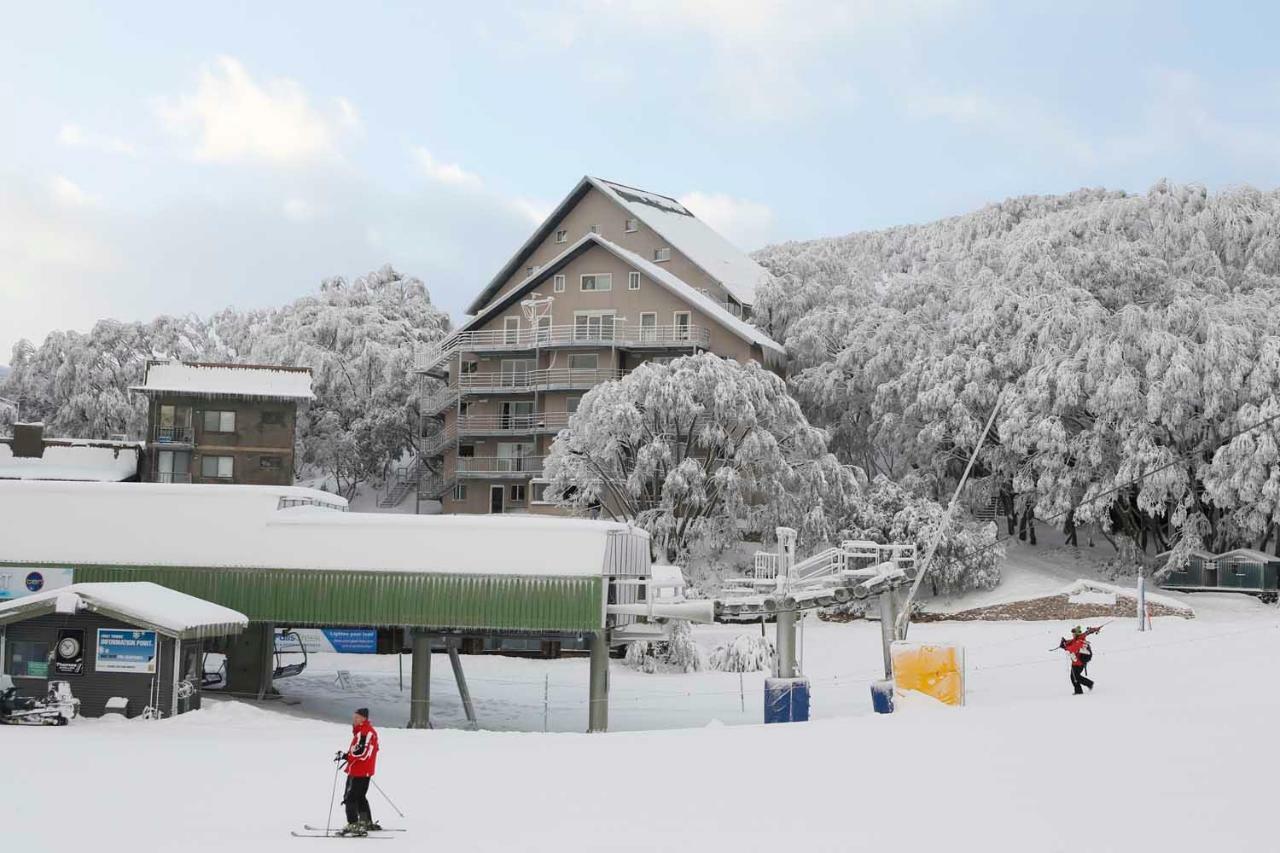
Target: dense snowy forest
column 1135, row 338
column 358, row 338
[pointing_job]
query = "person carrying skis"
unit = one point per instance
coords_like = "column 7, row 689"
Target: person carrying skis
column 362, row 758
column 1081, row 653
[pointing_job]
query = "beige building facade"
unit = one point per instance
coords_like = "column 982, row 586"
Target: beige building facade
column 613, row 278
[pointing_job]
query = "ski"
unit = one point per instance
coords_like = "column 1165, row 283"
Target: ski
column 323, row 834
column 383, row 829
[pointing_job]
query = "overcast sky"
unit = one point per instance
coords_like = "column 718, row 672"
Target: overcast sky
column 172, row 158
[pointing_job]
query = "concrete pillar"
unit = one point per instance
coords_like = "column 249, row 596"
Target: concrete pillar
column 786, row 645
column 420, row 682
column 598, row 695
column 250, row 660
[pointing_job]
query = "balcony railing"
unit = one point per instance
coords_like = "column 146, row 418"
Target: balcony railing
column 513, row 424
column 173, row 477
column 173, row 435
column 626, row 335
column 531, row 380
column 436, row 440
column 437, row 402
column 498, row 466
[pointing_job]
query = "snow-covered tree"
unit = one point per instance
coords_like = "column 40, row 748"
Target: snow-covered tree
column 1132, row 336
column 703, row 449
column 744, row 653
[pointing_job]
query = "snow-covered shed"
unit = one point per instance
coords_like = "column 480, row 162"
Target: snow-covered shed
column 292, row 556
column 29, row 455
column 136, row 641
column 1239, row 570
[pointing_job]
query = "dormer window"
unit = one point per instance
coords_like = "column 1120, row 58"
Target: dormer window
column 631, row 226
column 594, row 229
column 562, row 236
column 662, row 254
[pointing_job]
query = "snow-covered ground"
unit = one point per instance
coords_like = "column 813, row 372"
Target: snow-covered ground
column 1172, row 752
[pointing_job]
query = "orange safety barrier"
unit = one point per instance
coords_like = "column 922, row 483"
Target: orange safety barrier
column 934, row 669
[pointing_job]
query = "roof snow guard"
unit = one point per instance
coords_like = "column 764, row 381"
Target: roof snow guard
column 262, row 381
column 147, row 605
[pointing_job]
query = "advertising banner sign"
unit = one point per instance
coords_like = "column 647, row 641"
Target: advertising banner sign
column 17, row 581
column 126, row 650
column 346, row 641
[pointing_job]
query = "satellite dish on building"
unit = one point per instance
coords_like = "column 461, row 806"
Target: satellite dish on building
column 536, row 307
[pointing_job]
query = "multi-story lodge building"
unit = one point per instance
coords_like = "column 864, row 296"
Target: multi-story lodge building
column 222, row 423
column 614, row 277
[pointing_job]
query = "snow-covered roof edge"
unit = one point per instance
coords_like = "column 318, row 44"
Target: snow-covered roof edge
column 690, row 294
column 141, row 603
column 278, row 382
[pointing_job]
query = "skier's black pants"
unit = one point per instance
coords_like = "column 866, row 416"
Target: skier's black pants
column 356, row 799
column 1079, row 679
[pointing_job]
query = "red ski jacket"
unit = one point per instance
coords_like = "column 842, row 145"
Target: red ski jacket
column 1076, row 644
column 362, row 755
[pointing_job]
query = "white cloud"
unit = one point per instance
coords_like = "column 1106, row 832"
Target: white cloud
column 74, row 136
column 534, row 211
column 746, row 224
column 67, row 192
column 299, row 210
column 232, row 118
column 445, row 173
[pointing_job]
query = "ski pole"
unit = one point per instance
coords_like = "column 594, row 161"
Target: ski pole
column 385, row 797
column 328, row 822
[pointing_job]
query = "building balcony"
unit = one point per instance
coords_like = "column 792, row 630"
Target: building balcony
column 622, row 335
column 173, row 435
column 514, row 467
column 528, row 381
column 500, row 425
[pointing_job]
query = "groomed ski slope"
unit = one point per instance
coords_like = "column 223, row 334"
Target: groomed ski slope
column 1175, row 751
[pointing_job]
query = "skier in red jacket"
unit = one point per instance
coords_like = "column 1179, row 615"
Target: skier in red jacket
column 362, row 759
column 1081, row 653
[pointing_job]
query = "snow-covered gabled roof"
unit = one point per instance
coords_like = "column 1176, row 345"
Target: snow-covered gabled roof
column 692, row 237
column 1249, row 554
column 273, row 527
column 227, row 380
column 691, row 295
column 140, row 603
column 687, row 234
column 73, row 459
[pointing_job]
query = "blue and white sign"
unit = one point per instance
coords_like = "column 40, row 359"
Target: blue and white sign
column 16, row 581
column 344, row 641
column 126, row 650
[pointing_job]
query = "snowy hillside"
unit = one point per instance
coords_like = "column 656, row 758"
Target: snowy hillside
column 1137, row 765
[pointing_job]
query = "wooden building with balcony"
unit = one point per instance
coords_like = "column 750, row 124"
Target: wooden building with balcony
column 222, row 423
column 615, row 277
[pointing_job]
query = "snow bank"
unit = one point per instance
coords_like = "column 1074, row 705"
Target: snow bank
column 70, row 459
column 1083, row 587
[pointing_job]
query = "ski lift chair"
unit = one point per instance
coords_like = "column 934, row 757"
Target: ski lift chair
column 287, row 662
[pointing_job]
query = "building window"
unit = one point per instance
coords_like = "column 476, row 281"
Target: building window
column 631, row 226
column 681, row 331
column 598, row 283
column 662, row 254
column 466, row 451
column 633, row 281
column 219, row 421
column 511, row 329
column 648, row 326
column 217, row 467
column 558, row 285
column 571, row 403
column 540, row 493
column 594, row 229
column 28, row 659
column 517, row 493
column 460, row 492
column 584, row 361
column 562, row 236
column 470, row 366
column 272, row 463
column 464, row 409
column 273, row 418
column 593, row 326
